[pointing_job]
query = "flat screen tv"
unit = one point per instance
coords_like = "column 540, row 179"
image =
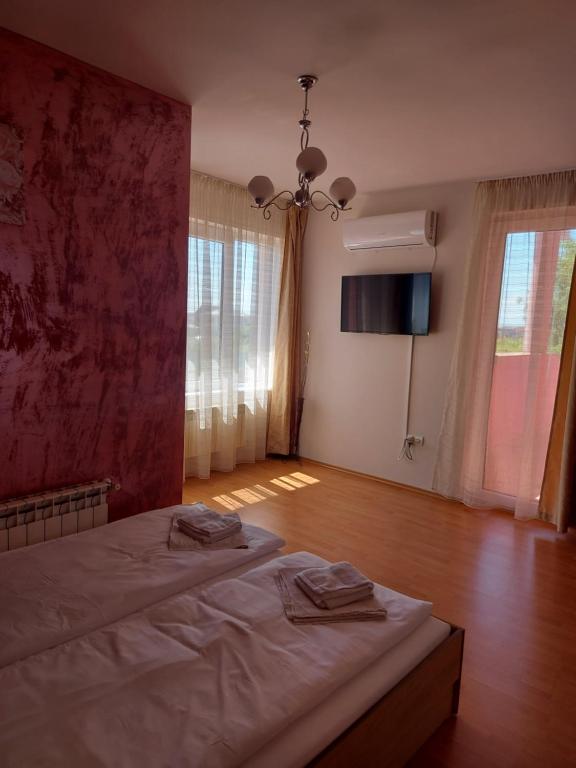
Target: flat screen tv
column 386, row 304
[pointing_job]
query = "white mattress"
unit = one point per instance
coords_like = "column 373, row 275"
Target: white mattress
column 309, row 735
column 207, row 678
column 61, row 589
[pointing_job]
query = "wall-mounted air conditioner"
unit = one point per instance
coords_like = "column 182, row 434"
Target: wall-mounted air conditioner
column 390, row 231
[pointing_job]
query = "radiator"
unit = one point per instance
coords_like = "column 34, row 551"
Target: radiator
column 52, row 514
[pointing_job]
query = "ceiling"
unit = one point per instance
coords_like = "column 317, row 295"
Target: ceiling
column 411, row 91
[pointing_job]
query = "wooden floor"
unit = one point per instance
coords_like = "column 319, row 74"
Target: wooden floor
column 512, row 585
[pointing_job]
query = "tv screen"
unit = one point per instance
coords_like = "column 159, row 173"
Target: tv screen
column 386, row 303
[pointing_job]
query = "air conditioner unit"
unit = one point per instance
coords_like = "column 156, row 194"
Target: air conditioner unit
column 390, row 231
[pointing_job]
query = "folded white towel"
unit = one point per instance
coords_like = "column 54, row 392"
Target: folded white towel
column 217, row 534
column 301, row 610
column 203, row 524
column 345, row 597
column 177, row 539
column 334, row 581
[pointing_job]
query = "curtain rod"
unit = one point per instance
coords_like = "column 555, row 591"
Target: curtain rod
column 542, row 175
column 217, row 178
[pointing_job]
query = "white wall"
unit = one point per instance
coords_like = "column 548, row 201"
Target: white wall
column 354, row 411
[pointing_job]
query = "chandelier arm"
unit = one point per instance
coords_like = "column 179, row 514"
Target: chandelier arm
column 327, row 205
column 273, row 202
column 265, row 208
column 333, row 214
column 330, row 204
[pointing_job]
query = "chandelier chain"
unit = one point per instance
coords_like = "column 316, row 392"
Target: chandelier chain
column 305, row 123
column 306, row 110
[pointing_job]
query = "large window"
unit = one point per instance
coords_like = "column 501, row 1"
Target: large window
column 232, row 312
column 234, row 268
column 533, row 303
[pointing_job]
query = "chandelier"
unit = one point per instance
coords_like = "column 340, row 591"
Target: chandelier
column 311, row 162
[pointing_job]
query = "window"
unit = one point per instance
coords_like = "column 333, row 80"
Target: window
column 205, row 259
column 234, row 269
column 532, row 313
column 232, row 312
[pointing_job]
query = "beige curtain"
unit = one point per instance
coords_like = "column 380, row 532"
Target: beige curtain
column 234, row 268
column 282, row 427
column 558, row 498
column 543, row 207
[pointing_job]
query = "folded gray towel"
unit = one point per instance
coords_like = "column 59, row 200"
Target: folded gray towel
column 334, row 585
column 179, row 540
column 301, row 610
column 202, row 523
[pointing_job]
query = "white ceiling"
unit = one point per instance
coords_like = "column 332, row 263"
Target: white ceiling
column 411, row 91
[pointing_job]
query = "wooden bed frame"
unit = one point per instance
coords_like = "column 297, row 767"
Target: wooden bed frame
column 394, row 729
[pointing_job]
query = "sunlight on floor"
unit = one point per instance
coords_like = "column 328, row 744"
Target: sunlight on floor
column 267, row 491
column 305, row 478
column 292, row 481
column 248, row 496
column 228, row 502
column 282, row 484
column 244, row 496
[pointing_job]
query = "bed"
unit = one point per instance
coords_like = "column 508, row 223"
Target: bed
column 215, row 676
column 381, row 717
column 57, row 590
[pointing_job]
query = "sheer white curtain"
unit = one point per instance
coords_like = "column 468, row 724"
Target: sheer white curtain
column 500, row 399
column 234, row 267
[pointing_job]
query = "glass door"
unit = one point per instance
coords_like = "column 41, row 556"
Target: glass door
column 533, row 302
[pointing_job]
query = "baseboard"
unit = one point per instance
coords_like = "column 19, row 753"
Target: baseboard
column 376, row 478
column 410, row 488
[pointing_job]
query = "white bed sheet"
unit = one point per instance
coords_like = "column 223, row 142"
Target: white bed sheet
column 203, row 679
column 61, row 589
column 308, row 736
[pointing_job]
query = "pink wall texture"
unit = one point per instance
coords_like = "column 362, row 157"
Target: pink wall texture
column 93, row 285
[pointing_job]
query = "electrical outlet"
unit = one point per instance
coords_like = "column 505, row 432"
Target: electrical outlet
column 415, row 439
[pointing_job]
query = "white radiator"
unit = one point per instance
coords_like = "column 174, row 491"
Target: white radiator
column 52, row 514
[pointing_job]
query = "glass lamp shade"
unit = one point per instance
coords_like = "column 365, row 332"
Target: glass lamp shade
column 261, row 189
column 311, row 162
column 342, row 190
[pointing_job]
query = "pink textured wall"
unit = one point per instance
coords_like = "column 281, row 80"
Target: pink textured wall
column 93, row 286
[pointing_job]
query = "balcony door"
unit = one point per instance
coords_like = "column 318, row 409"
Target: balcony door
column 534, row 292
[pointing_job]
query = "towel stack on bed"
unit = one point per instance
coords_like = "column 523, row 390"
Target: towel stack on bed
column 198, row 526
column 334, row 585
column 208, row 527
column 332, row 589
